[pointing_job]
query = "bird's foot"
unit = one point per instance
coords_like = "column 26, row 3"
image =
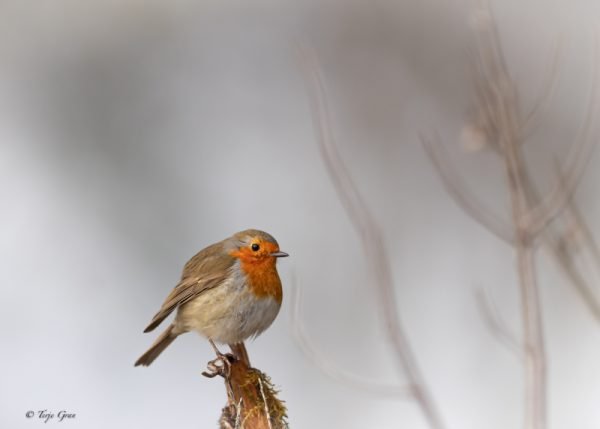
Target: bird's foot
column 219, row 366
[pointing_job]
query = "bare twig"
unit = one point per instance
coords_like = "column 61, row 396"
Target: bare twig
column 579, row 282
column 238, row 413
column 496, row 325
column 498, row 120
column 370, row 235
column 561, row 248
column 459, row 192
column 265, row 402
column 560, row 244
column 548, row 209
column 584, row 232
column 531, row 120
column 498, row 112
column 505, row 115
column 329, row 367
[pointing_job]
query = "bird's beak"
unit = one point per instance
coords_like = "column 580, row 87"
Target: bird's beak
column 279, row 254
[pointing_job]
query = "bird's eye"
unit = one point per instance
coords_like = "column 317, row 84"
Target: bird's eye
column 255, row 247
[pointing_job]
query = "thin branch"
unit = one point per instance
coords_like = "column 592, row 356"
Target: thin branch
column 567, row 264
column 576, row 229
column 371, row 238
column 458, row 190
column 327, row 366
column 535, row 351
column 558, row 246
column 498, row 104
column 546, row 211
column 238, row 414
column 494, row 66
column 265, row 403
column 496, row 325
column 548, row 86
column 585, row 232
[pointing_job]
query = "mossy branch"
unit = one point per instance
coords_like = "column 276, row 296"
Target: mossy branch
column 252, row 401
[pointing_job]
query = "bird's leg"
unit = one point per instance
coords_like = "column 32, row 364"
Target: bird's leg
column 214, row 346
column 219, row 366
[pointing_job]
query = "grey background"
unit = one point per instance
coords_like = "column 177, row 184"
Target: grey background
column 134, row 133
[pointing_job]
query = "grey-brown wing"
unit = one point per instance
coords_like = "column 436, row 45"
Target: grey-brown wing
column 187, row 289
column 195, row 280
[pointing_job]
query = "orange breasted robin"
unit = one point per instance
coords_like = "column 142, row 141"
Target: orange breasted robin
column 229, row 292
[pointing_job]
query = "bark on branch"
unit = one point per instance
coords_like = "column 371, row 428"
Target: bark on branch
column 252, row 401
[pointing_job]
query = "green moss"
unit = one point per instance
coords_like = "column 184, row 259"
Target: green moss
column 267, row 393
column 258, row 386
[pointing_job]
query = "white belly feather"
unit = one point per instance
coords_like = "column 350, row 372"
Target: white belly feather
column 229, row 313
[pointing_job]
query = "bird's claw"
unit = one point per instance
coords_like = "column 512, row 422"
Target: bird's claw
column 221, row 365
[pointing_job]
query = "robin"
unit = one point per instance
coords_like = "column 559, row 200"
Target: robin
column 228, row 292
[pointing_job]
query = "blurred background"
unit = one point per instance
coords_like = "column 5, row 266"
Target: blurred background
column 134, row 133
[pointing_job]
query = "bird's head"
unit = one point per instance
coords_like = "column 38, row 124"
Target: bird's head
column 255, row 247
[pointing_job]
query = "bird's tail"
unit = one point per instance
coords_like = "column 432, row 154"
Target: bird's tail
column 161, row 343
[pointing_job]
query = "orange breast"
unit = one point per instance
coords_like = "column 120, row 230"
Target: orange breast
column 263, row 279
